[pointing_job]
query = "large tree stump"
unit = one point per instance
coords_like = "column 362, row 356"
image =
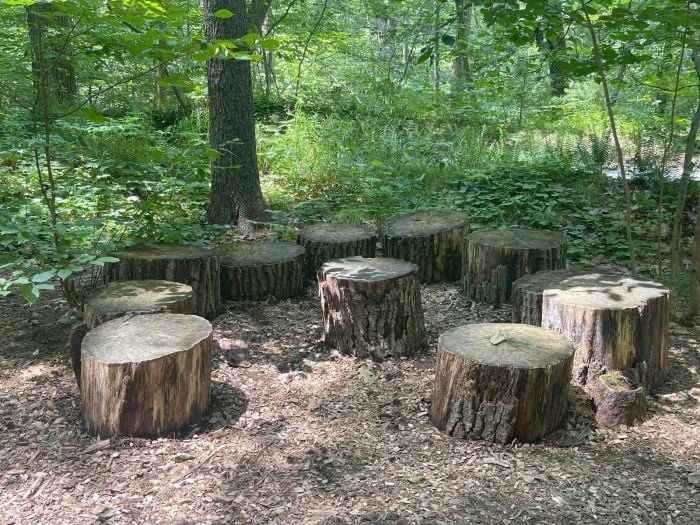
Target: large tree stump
column 616, row 322
column 326, row 241
column 192, row 265
column 499, row 382
column 145, row 375
column 256, row 270
column 371, row 307
column 494, row 259
column 432, row 239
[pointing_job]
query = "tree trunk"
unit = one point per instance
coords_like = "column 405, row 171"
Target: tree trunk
column 371, row 307
column 146, row 375
column 499, row 382
column 552, row 47
column 436, row 47
column 326, row 241
column 235, row 195
column 460, row 64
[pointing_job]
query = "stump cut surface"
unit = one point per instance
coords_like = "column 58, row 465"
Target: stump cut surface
column 255, row 270
column 327, row 241
column 499, row 382
column 146, row 374
column 494, row 259
column 432, row 239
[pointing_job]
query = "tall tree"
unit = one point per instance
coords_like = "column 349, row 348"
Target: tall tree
column 235, row 195
column 460, row 63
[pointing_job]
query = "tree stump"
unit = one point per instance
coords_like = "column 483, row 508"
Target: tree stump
column 371, row 307
column 145, row 375
column 499, row 382
column 432, row 239
column 494, row 259
column 256, row 270
column 326, row 241
column 617, row 402
column 181, row 263
column 616, row 322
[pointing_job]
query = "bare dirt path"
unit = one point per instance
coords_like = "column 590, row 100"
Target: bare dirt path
column 298, row 435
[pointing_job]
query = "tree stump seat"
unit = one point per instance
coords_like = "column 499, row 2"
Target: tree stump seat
column 120, row 298
column 616, row 322
column 181, row 263
column 432, row 239
column 256, row 270
column 493, row 259
column 371, row 307
column 326, row 241
column 144, row 375
column 500, row 382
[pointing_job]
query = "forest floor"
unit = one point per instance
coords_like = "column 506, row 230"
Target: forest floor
column 301, row 435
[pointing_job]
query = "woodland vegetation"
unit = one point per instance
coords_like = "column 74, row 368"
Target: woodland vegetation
column 137, row 120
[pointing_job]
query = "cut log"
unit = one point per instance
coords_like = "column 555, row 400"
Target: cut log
column 75, row 343
column 616, row 322
column 371, row 307
column 617, row 402
column 494, row 259
column 432, row 239
column 327, row 241
column 148, row 296
column 500, row 382
column 181, row 263
column 257, row 270
column 145, row 375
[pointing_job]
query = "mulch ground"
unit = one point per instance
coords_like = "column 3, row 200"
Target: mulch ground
column 300, row 434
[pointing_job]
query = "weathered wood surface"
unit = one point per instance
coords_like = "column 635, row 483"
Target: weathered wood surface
column 617, row 402
column 432, row 239
column 371, row 307
column 145, row 375
column 516, row 388
column 256, row 270
column 616, row 322
column 181, row 263
column 494, row 259
column 326, row 241
column 147, row 296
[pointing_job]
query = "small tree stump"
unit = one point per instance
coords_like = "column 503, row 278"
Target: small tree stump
column 617, row 402
column 432, row 239
column 516, row 388
column 326, row 241
column 494, row 259
column 181, row 263
column 371, row 307
column 256, row 270
column 146, row 375
column 616, row 322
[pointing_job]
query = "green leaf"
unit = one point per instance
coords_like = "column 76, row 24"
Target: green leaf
column 29, row 293
column 64, row 273
column 222, row 13
column 417, row 479
column 43, row 276
column 498, row 338
column 100, row 261
column 365, row 374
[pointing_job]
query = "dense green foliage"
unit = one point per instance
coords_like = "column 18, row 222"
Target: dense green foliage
column 359, row 116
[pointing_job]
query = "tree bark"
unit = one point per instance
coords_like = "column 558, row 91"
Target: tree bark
column 146, row 375
column 460, row 63
column 499, row 382
column 326, row 241
column 236, row 196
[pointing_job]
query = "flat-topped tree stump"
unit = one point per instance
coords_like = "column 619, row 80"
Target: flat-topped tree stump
column 494, row 259
column 371, row 307
column 146, row 375
column 616, row 322
column 181, row 263
column 617, row 401
column 120, row 298
column 326, row 241
column 256, row 270
column 432, row 239
column 500, row 382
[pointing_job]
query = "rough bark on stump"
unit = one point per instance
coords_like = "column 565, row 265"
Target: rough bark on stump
column 147, row 296
column 192, row 265
column 75, row 342
column 146, row 375
column 516, row 388
column 432, row 239
column 371, row 307
column 616, row 322
column 257, row 270
column 494, row 259
column 327, row 241
column 617, row 402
